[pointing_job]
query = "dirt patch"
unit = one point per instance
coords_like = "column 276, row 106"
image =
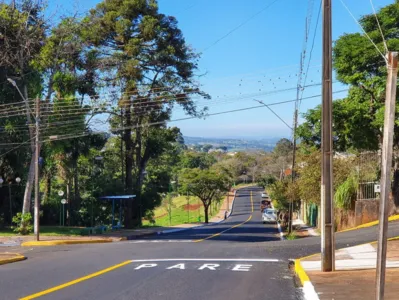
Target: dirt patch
column 191, row 206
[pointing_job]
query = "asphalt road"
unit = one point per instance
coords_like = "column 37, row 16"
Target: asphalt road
column 240, row 258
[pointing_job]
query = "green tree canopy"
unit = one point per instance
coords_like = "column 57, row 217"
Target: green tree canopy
column 208, row 185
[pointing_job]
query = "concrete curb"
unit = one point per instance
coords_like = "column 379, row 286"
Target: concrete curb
column 308, row 289
column 370, row 224
column 65, row 242
column 17, row 257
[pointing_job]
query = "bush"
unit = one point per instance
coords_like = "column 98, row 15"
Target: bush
column 23, row 223
column 346, row 193
column 291, row 236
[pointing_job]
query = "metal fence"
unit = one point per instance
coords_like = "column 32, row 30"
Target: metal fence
column 368, row 171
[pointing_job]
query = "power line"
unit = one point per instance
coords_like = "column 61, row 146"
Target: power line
column 311, row 52
column 361, row 27
column 261, row 102
column 70, row 136
column 379, row 26
column 240, row 25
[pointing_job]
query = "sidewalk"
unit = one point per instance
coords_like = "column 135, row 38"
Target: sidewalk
column 354, row 277
column 303, row 230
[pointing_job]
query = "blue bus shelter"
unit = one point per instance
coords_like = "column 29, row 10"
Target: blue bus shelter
column 117, row 198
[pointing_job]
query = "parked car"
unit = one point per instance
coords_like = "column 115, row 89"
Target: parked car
column 265, row 195
column 265, row 203
column 269, row 216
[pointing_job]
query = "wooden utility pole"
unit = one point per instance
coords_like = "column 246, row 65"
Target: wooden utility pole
column 37, row 186
column 327, row 207
column 386, row 163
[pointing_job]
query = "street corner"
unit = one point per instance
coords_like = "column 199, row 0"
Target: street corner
column 65, row 242
column 9, row 257
column 308, row 289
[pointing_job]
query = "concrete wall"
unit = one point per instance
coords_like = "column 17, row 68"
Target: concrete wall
column 368, row 210
column 344, row 219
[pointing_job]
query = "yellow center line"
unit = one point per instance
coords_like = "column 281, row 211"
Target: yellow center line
column 84, row 278
column 235, row 226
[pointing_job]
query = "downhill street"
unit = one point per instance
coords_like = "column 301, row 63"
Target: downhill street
column 240, row 258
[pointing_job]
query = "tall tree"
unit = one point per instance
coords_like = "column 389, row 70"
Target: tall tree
column 22, row 33
column 208, row 185
column 145, row 52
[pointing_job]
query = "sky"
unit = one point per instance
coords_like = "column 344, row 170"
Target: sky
column 250, row 50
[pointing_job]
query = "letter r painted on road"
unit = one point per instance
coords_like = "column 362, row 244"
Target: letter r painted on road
column 178, row 266
column 242, row 268
column 145, row 266
column 209, row 266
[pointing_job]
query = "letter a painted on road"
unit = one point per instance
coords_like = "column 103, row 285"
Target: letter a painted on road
column 178, row 266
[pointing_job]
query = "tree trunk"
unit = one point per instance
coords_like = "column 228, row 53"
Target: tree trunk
column 68, row 197
column 29, row 187
column 76, row 194
column 31, row 174
column 129, row 168
column 206, row 208
column 139, row 177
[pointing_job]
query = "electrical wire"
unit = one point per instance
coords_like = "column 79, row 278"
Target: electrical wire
column 240, row 25
column 281, row 119
column 310, row 53
column 379, row 26
column 361, row 27
column 71, row 136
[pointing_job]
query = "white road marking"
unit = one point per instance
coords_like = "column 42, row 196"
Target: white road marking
column 178, row 266
column 145, row 266
column 209, row 266
column 207, row 259
column 244, row 268
column 160, row 241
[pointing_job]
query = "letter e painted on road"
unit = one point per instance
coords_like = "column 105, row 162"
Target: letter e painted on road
column 242, row 268
column 145, row 266
column 178, row 266
column 209, row 266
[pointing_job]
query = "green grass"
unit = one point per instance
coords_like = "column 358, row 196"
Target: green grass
column 180, row 215
column 47, row 230
column 291, row 236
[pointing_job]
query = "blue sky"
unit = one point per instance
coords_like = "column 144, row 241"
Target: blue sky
column 256, row 61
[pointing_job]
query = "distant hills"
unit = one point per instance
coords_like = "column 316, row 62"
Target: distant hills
column 234, row 144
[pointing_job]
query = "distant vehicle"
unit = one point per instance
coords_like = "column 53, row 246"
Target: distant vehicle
column 265, row 203
column 265, row 195
column 269, row 216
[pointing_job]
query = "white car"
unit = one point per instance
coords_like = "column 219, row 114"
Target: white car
column 265, row 195
column 269, row 216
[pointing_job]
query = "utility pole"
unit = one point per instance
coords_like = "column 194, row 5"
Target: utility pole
column 291, row 208
column 327, row 208
column 298, row 89
column 37, row 186
column 386, row 163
